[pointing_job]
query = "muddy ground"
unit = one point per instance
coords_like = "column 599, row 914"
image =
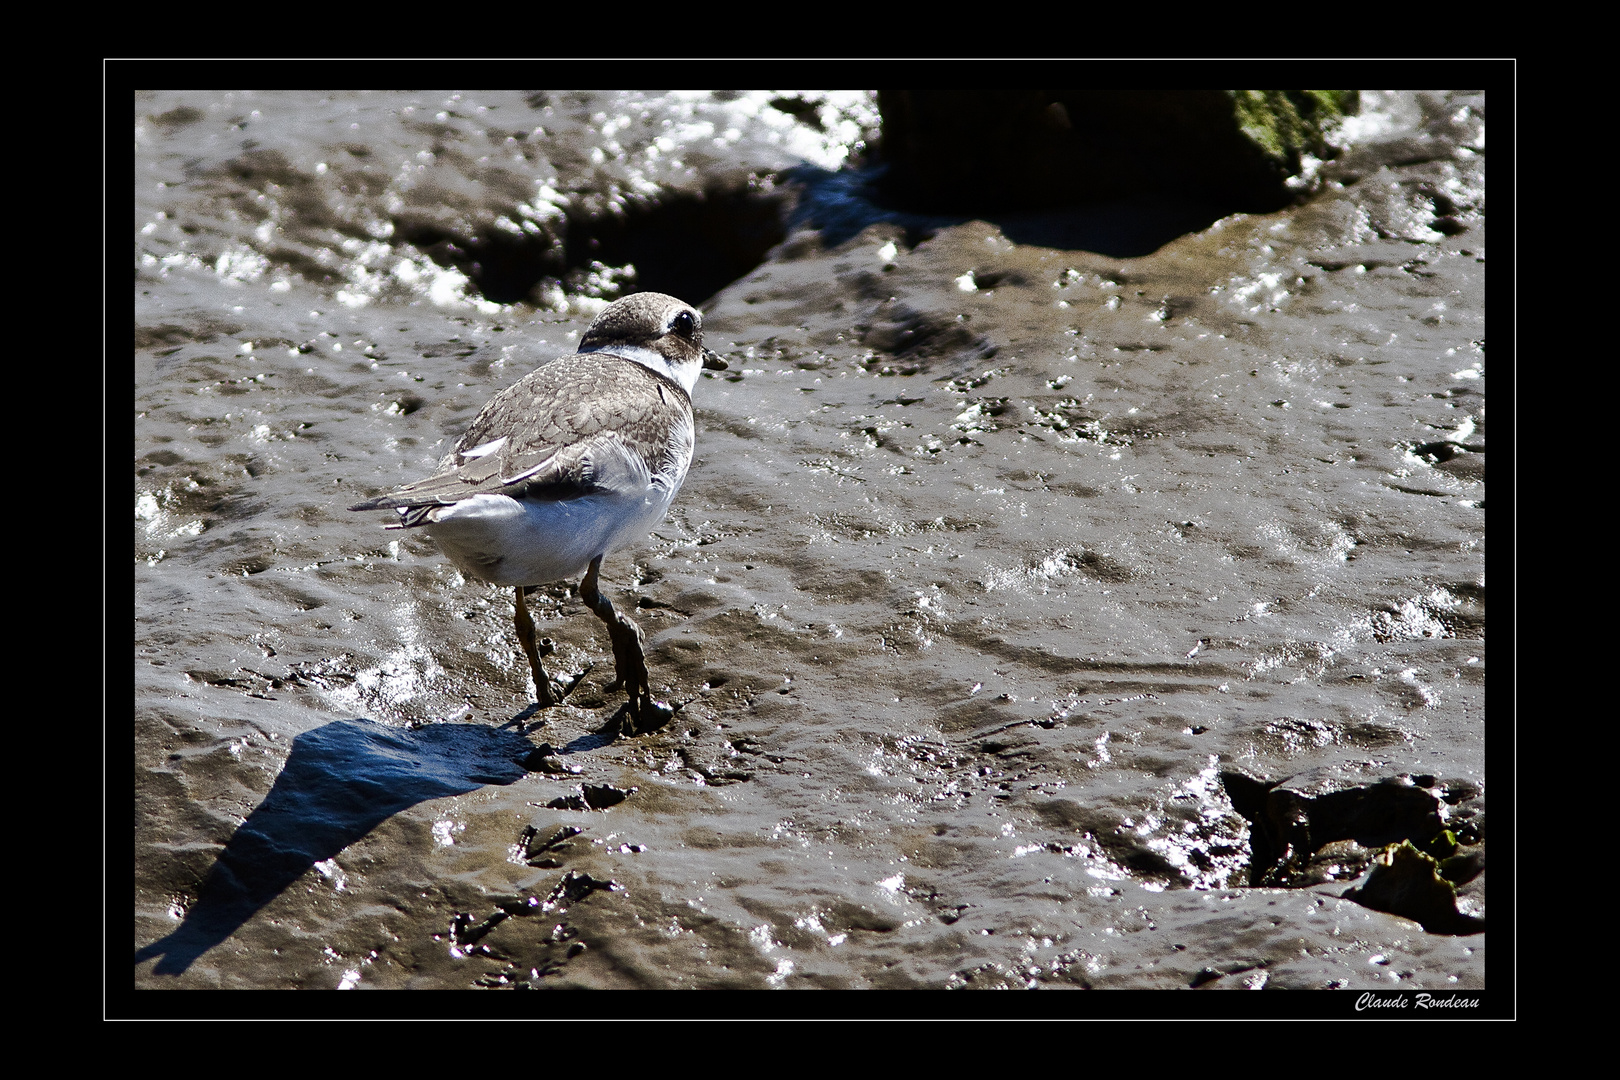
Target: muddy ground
column 993, row 559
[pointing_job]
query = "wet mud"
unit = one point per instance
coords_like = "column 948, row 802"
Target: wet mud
column 1030, row 617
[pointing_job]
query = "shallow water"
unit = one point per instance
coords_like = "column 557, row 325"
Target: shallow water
column 991, row 557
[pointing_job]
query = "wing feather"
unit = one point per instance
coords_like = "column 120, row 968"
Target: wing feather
column 579, row 424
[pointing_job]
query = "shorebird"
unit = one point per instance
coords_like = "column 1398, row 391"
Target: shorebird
column 580, row 456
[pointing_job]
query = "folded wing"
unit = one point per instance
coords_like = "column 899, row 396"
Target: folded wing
column 582, row 448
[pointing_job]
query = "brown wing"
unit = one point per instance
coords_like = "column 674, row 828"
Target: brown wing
column 539, row 437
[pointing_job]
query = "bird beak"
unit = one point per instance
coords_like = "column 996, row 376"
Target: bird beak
column 712, row 361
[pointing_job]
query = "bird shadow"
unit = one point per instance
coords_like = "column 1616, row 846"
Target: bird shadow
column 340, row 782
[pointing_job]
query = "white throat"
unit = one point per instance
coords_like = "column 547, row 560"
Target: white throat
column 683, row 375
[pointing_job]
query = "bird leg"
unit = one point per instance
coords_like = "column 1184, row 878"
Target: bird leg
column 525, row 633
column 629, row 661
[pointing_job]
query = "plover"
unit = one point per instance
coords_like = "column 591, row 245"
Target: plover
column 578, row 457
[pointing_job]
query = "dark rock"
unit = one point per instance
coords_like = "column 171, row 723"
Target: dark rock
column 1404, row 881
column 1293, row 819
column 1034, row 149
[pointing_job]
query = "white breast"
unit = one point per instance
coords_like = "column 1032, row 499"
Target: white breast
column 507, row 541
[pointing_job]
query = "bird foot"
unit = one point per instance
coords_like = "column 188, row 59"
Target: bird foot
column 544, row 695
column 630, row 675
column 641, row 713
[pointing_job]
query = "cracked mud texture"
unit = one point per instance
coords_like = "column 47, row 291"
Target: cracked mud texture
column 993, row 556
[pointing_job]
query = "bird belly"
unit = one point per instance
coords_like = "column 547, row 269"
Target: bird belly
column 507, row 541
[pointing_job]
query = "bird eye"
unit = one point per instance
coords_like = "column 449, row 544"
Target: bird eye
column 685, row 324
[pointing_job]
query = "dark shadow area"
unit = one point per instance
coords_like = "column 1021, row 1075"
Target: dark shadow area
column 1415, row 843
column 694, row 246
column 690, row 246
column 504, row 267
column 340, row 782
column 839, row 205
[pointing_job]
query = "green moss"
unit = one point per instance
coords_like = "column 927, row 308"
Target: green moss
column 1443, row 846
column 1287, row 123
